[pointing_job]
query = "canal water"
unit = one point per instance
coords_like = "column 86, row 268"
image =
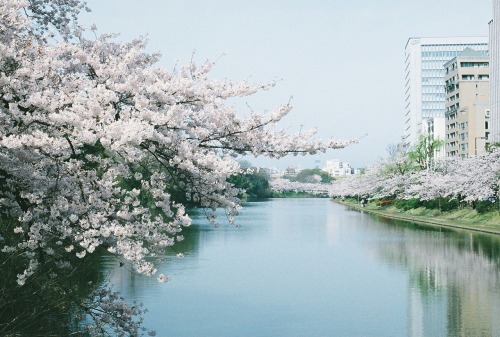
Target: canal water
column 310, row 267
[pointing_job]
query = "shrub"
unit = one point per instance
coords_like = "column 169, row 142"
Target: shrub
column 431, row 204
column 443, row 204
column 485, row 206
column 400, row 204
column 408, row 204
column 448, row 205
column 384, row 202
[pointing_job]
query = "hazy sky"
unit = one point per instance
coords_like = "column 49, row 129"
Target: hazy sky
column 342, row 61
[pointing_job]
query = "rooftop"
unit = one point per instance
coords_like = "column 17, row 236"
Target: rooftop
column 468, row 53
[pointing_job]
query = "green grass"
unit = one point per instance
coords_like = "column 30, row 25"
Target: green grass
column 465, row 218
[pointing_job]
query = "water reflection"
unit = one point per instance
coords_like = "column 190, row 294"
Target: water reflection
column 454, row 278
column 309, row 267
column 46, row 306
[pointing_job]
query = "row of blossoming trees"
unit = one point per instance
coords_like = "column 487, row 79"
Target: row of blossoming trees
column 281, row 185
column 469, row 180
column 102, row 150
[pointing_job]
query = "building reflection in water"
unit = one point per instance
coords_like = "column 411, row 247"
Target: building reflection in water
column 454, row 279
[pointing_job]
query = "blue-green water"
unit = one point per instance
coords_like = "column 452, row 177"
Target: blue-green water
column 310, row 267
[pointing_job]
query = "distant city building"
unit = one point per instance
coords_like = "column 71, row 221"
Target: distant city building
column 424, row 78
column 336, row 168
column 264, row 171
column 291, row 170
column 275, row 172
column 495, row 72
column 268, row 172
column 467, row 104
column 357, row 171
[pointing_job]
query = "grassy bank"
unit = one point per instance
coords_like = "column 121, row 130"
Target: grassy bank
column 463, row 218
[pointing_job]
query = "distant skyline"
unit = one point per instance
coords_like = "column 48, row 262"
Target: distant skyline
column 343, row 62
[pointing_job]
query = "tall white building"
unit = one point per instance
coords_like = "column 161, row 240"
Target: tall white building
column 424, row 82
column 495, row 73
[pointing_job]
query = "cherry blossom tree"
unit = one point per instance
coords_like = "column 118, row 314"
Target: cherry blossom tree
column 95, row 139
column 285, row 185
column 102, row 149
column 476, row 178
column 371, row 183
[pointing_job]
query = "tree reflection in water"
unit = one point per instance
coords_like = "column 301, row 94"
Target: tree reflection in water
column 451, row 275
column 76, row 303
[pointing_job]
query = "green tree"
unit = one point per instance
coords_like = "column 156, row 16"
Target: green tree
column 311, row 176
column 492, row 146
column 255, row 185
column 422, row 154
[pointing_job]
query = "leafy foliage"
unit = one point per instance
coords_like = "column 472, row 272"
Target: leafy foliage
column 253, row 185
column 311, row 176
column 422, row 154
column 485, row 206
column 408, row 204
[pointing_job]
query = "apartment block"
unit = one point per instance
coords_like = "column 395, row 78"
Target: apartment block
column 424, row 77
column 467, row 104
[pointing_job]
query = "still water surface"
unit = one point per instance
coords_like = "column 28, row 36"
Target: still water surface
column 310, row 267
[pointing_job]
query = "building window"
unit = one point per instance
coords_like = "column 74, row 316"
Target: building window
column 473, row 64
column 467, row 77
column 483, row 77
